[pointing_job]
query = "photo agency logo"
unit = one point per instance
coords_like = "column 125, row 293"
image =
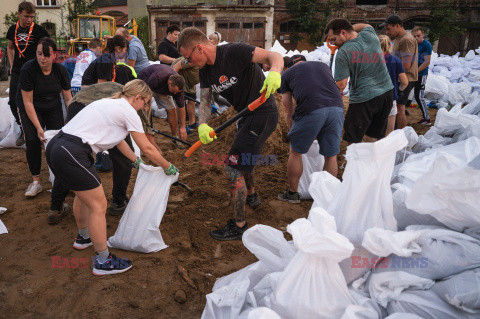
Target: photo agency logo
column 243, row 159
column 393, row 262
column 59, row 262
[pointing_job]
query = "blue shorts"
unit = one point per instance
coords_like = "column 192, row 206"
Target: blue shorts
column 324, row 124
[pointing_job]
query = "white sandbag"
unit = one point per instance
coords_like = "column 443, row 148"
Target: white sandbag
column 467, row 132
column 417, row 165
column 403, row 315
column 2, row 210
column 448, row 123
column 252, row 273
column 404, row 216
column 436, row 87
column 226, row 302
column 262, row 292
column 312, row 162
column 368, row 303
column 387, row 286
column 470, row 55
column 269, row 246
column 138, row 230
column 9, row 129
column 277, row 47
column 472, row 107
column 431, row 139
column 259, row 313
column 433, row 253
column 48, row 137
column 323, row 187
column 359, row 312
column 312, row 285
column 461, row 291
column 427, row 305
column 364, row 199
column 449, row 192
column 3, row 229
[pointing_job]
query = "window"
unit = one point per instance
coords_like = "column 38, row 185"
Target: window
column 46, row 3
column 289, row 26
column 89, row 28
column 223, row 25
column 258, row 25
column 187, row 24
column 161, row 24
column 248, row 25
column 199, row 24
column 234, row 25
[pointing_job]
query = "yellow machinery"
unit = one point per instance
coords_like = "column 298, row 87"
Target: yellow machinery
column 87, row 27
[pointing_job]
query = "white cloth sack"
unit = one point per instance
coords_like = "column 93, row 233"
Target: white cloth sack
column 259, row 313
column 446, row 252
column 9, row 129
column 312, row 285
column 323, row 187
column 359, row 312
column 364, row 199
column 3, row 229
column 448, row 123
column 461, row 291
column 312, row 162
column 48, row 137
column 138, row 229
column 449, row 191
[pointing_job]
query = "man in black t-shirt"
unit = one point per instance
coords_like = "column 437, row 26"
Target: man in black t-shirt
column 22, row 39
column 233, row 71
column 167, row 49
column 317, row 115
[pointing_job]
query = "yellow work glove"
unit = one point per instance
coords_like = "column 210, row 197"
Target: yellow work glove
column 272, row 83
column 203, row 133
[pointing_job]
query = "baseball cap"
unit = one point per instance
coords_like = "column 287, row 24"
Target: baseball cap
column 392, row 19
column 294, row 59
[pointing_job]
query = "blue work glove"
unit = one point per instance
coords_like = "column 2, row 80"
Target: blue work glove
column 171, row 170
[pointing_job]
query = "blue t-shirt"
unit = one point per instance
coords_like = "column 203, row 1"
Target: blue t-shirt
column 312, row 86
column 395, row 67
column 136, row 51
column 424, row 48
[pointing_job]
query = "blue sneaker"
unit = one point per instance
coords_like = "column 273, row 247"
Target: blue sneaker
column 193, row 126
column 113, row 265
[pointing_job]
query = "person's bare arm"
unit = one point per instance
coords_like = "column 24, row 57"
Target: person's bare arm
column 273, row 59
column 67, row 97
column 10, row 54
column 166, row 59
column 287, row 100
column 152, row 140
column 342, row 84
column 205, row 108
column 126, row 151
column 177, row 66
column 403, row 81
column 32, row 115
column 182, row 129
column 148, row 149
column 425, row 64
column 131, row 63
column 360, row 26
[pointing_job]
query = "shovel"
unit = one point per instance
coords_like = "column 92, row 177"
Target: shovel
column 250, row 108
column 333, row 48
column 172, row 137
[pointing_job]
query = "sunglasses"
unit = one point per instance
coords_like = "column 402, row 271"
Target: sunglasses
column 190, row 56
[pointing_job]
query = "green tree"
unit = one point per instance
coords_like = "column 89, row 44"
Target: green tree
column 311, row 16
column 143, row 28
column 443, row 19
column 77, row 7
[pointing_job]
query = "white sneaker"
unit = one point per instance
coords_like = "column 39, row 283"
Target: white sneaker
column 33, row 189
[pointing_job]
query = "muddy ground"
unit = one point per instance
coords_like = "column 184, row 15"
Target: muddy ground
column 31, row 288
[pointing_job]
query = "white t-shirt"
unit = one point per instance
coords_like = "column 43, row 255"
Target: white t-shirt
column 83, row 61
column 104, row 123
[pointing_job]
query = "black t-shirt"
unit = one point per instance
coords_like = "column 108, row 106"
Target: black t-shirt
column 38, row 32
column 46, row 88
column 169, row 49
column 312, row 86
column 235, row 77
column 102, row 68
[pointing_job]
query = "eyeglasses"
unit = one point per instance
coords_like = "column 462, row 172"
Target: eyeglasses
column 190, row 56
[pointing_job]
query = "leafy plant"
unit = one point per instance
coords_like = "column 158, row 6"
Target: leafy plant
column 143, row 36
column 443, row 19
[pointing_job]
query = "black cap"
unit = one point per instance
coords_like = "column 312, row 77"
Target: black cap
column 294, row 59
column 393, row 20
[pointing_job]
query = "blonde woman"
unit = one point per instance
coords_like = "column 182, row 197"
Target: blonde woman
column 98, row 127
column 398, row 76
column 215, row 38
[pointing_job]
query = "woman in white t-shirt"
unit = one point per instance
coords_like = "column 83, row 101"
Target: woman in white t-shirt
column 98, row 127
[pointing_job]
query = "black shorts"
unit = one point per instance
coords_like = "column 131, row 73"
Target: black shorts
column 368, row 118
column 403, row 95
column 71, row 162
column 252, row 133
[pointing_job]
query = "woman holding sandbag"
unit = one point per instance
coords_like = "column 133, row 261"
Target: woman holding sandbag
column 39, row 104
column 98, row 127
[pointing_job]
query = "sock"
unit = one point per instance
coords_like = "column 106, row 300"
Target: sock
column 290, row 192
column 102, row 256
column 84, row 233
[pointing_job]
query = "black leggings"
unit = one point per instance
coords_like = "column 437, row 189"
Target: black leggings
column 12, row 95
column 49, row 120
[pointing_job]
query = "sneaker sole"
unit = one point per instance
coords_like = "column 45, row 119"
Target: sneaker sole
column 292, row 201
column 100, row 272
column 226, row 238
column 33, row 195
column 82, row 246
